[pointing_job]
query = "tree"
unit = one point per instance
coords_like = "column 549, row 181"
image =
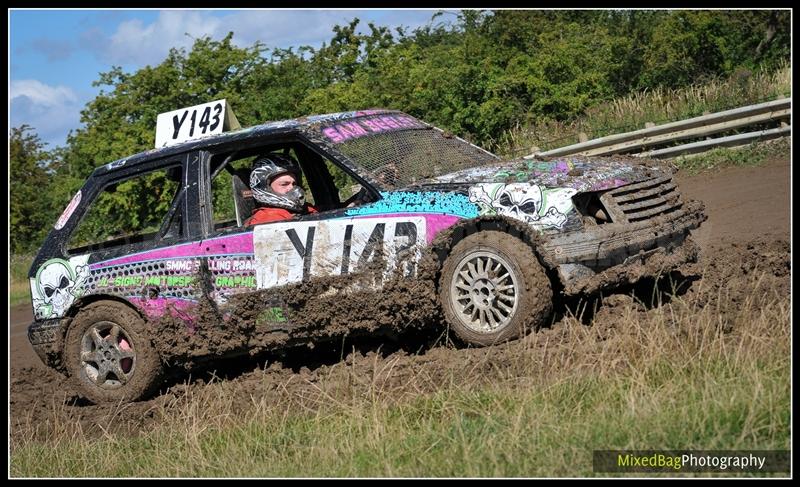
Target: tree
column 122, row 121
column 31, row 213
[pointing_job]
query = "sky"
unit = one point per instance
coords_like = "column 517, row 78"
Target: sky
column 55, row 55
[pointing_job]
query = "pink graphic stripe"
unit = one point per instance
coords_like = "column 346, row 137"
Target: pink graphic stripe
column 234, row 244
column 434, row 223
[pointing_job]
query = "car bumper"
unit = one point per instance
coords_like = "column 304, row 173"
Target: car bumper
column 45, row 338
column 619, row 253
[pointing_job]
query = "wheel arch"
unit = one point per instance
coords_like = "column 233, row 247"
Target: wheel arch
column 84, row 301
column 80, row 303
column 448, row 238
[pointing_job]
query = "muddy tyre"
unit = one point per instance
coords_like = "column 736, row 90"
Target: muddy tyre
column 109, row 356
column 493, row 289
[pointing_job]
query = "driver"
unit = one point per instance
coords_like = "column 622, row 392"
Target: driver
column 275, row 181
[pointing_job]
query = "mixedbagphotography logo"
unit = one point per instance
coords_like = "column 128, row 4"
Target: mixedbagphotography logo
column 671, row 461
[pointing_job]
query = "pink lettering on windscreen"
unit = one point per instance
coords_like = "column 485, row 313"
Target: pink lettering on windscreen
column 62, row 220
column 358, row 128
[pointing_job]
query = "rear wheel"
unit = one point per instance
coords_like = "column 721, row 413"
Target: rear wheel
column 493, row 289
column 108, row 354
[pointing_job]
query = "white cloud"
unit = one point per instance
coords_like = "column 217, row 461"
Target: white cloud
column 283, row 28
column 51, row 110
column 42, row 94
column 140, row 44
column 137, row 43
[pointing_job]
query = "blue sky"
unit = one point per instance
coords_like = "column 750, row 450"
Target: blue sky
column 55, row 55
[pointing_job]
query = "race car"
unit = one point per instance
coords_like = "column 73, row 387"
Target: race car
column 413, row 227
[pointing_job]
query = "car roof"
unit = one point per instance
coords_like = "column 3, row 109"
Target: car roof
column 274, row 127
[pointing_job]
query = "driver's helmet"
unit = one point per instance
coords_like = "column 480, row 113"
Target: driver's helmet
column 268, row 167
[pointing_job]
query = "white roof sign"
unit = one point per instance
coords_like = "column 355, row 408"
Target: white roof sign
column 195, row 122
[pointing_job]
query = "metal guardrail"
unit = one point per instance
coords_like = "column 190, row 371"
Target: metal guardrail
column 633, row 142
column 730, row 141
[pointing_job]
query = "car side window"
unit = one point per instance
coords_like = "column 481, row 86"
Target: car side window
column 332, row 186
column 139, row 209
column 325, row 184
column 350, row 192
column 223, row 189
column 232, row 198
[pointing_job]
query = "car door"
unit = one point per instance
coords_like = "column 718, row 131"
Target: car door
column 298, row 251
column 326, row 244
column 333, row 243
column 103, row 251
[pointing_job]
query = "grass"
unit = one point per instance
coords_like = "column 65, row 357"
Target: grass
column 711, row 376
column 658, row 106
column 748, row 155
column 19, row 291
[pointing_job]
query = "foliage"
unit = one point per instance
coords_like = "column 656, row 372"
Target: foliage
column 115, row 214
column 29, row 181
column 122, row 122
column 479, row 75
column 749, row 155
column 19, row 289
column 657, row 106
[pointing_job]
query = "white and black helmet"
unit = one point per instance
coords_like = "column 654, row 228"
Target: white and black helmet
column 268, row 167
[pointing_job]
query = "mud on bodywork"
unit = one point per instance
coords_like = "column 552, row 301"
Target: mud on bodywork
column 329, row 307
column 47, row 337
column 640, row 214
column 597, row 248
column 530, row 203
column 540, row 193
column 229, row 296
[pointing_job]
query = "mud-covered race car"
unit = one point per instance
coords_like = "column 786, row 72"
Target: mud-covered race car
column 413, row 223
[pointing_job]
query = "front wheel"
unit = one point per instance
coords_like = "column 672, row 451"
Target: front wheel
column 493, row 289
column 108, row 354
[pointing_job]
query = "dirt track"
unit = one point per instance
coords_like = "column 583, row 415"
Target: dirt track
column 742, row 203
column 748, row 225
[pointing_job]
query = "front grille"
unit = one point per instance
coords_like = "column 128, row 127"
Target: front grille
column 642, row 201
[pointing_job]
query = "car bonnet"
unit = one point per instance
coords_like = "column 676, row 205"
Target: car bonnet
column 578, row 173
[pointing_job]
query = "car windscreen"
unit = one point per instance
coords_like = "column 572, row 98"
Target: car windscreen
column 398, row 150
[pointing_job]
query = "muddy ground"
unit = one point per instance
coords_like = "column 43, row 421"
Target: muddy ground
column 747, row 230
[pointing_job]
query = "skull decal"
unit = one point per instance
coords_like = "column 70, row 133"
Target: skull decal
column 525, row 202
column 56, row 287
column 519, row 201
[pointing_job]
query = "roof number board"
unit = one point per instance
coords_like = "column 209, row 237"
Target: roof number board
column 195, row 122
